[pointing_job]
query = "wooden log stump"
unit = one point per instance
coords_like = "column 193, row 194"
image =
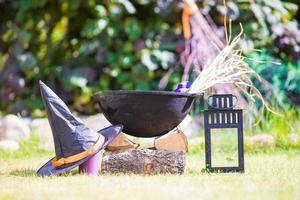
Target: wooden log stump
column 144, row 161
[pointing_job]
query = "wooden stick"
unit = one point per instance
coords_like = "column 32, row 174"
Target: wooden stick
column 174, row 141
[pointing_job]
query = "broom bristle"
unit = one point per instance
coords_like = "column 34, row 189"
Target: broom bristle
column 229, row 67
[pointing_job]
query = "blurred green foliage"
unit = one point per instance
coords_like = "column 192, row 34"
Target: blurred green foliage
column 81, row 47
column 284, row 78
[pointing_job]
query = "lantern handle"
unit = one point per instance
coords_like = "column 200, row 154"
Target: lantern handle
column 222, row 96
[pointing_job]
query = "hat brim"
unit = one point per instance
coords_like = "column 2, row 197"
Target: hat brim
column 109, row 133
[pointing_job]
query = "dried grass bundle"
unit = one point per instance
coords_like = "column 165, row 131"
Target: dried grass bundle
column 229, row 67
column 202, row 46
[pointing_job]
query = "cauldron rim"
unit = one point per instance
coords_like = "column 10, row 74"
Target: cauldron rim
column 177, row 105
column 146, row 92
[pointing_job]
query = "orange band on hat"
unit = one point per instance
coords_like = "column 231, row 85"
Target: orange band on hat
column 190, row 8
column 79, row 156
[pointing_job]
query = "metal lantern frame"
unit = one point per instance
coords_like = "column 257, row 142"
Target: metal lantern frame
column 222, row 116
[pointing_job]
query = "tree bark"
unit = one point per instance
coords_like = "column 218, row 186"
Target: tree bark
column 144, row 161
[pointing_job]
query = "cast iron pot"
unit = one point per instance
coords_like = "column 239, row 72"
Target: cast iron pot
column 145, row 113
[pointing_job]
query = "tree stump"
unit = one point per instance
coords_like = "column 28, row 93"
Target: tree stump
column 144, row 161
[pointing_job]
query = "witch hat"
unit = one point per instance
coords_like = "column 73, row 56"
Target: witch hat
column 74, row 142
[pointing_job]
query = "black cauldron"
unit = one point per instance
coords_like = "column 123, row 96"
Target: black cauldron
column 145, row 113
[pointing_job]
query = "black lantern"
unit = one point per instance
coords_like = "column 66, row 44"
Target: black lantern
column 221, row 115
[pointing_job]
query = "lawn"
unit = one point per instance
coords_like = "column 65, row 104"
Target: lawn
column 272, row 175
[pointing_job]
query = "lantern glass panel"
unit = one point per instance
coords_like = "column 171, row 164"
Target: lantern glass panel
column 224, row 147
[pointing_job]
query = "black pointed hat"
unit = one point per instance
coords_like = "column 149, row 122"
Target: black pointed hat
column 74, row 142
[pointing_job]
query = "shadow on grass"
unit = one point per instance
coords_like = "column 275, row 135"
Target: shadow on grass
column 23, row 172
column 32, row 173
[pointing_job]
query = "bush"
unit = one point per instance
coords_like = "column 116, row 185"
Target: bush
column 81, row 47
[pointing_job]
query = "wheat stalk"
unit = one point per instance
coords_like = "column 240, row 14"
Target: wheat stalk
column 229, row 66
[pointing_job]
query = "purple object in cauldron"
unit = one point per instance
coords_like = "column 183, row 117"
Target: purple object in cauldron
column 183, row 87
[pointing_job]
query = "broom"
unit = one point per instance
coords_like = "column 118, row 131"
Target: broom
column 224, row 64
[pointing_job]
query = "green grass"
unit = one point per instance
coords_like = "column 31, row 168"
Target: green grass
column 280, row 127
column 273, row 175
